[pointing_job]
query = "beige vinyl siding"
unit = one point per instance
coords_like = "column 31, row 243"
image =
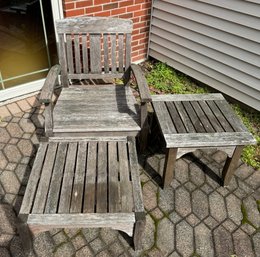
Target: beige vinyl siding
column 214, row 41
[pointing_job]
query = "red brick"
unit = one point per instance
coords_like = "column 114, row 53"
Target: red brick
column 146, row 5
column 75, row 12
column 126, row 16
column 103, row 14
column 80, row 4
column 93, row 9
column 136, row 48
column 134, row 8
column 140, row 25
column 136, row 19
column 118, row 11
column 140, row 13
column 126, row 3
column 110, row 6
column 134, row 43
column 145, row 18
column 142, row 30
column 69, row 6
column 139, row 36
column 97, row 2
column 139, row 1
column 143, row 41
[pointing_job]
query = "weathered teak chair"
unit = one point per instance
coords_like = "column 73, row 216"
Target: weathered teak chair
column 86, row 175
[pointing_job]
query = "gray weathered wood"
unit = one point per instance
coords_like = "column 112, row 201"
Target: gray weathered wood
column 106, row 53
column 188, row 97
column 142, row 83
column 128, row 51
column 78, row 183
column 85, row 53
column 48, row 119
column 95, row 53
column 94, row 24
column 209, row 139
column 77, row 54
column 63, row 61
column 70, row 58
column 231, row 165
column 49, row 84
column 66, row 188
column 43, row 186
column 170, row 159
column 55, row 184
column 113, row 52
column 35, row 176
column 121, row 52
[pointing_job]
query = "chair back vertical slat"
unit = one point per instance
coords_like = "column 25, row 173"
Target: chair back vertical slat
column 106, row 53
column 63, row 61
column 127, row 51
column 121, row 52
column 70, row 53
column 85, row 53
column 95, row 53
column 113, row 52
column 77, row 53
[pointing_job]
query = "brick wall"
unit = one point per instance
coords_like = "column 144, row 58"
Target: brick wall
column 136, row 10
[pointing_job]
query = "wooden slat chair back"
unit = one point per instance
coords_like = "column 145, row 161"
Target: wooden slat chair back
column 94, row 48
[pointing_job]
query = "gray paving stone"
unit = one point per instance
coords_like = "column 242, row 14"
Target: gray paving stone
column 78, row 241
column 234, row 209
column 104, row 253
column 157, row 213
column 229, row 225
column 108, row 235
column 116, row 249
column 60, row 238
column 3, row 161
column 10, row 182
column 90, row 233
column 97, row 245
column 243, row 171
column 250, row 205
column 219, row 156
column 206, row 188
column 211, row 222
column 223, row 242
column 22, row 171
column 4, row 252
column 181, row 171
column 192, row 220
column 16, row 248
column 44, row 245
column 149, row 195
column 175, row 217
column 165, row 236
column 9, row 198
column 256, row 242
column 174, row 254
column 200, row 204
column 65, row 250
column 27, row 125
column 12, row 153
column 26, row 147
column 11, row 166
column 182, row 202
column 166, row 199
column 203, row 241
column 242, row 244
column 223, row 191
column 149, row 234
column 155, row 253
column 175, row 184
column 83, row 252
column 13, row 141
column 254, row 179
column 249, row 229
column 217, row 206
column 190, row 186
column 71, row 232
column 4, row 136
column 8, row 219
column 5, row 239
column 197, row 175
column 14, row 130
column 184, row 238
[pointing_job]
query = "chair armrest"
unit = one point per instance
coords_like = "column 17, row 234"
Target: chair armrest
column 141, row 83
column 49, row 84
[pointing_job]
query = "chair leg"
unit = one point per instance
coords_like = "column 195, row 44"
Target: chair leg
column 139, row 228
column 170, row 159
column 231, row 165
column 26, row 237
column 144, row 127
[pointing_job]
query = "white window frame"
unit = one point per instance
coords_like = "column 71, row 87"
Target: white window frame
column 34, row 86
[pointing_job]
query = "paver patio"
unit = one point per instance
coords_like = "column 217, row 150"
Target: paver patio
column 195, row 216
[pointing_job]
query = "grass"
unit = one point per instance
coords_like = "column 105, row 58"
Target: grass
column 163, row 79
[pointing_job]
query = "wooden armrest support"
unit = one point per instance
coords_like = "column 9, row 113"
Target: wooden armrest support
column 142, row 84
column 49, row 84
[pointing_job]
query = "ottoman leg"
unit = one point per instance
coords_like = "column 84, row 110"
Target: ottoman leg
column 231, row 165
column 139, row 227
column 170, row 159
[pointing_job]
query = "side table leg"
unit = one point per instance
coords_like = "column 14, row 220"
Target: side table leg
column 170, row 159
column 231, row 165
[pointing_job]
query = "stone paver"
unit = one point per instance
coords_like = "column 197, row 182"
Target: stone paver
column 194, row 216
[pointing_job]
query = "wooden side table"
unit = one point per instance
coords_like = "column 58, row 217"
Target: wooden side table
column 196, row 121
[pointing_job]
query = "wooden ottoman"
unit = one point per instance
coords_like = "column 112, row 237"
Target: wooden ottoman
column 196, row 121
column 83, row 183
